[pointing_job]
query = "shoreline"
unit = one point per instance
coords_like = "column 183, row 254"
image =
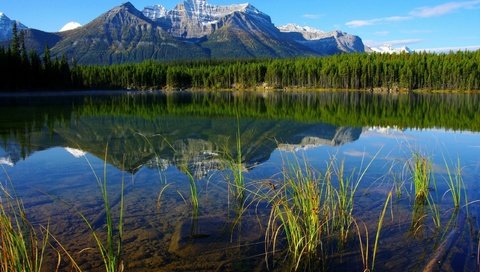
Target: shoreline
column 258, row 89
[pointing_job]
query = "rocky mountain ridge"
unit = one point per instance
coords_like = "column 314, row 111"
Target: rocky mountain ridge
column 194, row 29
column 6, row 27
column 197, row 18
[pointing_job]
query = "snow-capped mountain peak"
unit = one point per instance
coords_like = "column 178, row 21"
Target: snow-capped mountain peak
column 197, row 18
column 155, row 12
column 389, row 49
column 6, row 27
column 70, row 26
column 308, row 33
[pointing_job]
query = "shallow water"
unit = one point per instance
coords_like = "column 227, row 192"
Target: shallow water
column 53, row 147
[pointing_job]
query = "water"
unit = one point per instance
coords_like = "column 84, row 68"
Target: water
column 53, row 147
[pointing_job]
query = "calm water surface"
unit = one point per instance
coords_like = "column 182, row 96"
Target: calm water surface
column 53, row 146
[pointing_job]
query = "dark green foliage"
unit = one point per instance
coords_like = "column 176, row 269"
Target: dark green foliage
column 453, row 71
column 425, row 71
column 15, row 45
column 27, row 71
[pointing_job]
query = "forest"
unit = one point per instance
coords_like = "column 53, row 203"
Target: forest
column 391, row 72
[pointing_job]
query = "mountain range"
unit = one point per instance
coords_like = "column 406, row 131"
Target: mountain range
column 193, row 29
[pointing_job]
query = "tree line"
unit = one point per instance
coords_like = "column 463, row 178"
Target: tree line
column 29, row 70
column 429, row 71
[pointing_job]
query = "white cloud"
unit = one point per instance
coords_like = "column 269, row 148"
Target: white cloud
column 312, row 16
column 359, row 23
column 376, row 21
column 417, row 31
column 421, row 12
column 425, row 12
column 382, row 33
column 372, row 43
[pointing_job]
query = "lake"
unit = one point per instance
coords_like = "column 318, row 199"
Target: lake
column 210, row 178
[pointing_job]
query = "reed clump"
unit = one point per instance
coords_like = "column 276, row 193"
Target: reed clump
column 422, row 174
column 22, row 247
column 312, row 212
column 455, row 184
column 110, row 248
column 296, row 213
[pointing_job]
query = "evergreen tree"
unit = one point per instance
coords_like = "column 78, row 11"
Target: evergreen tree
column 15, row 45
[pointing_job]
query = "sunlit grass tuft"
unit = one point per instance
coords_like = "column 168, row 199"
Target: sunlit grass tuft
column 421, row 173
column 296, row 214
column 455, row 184
column 22, row 246
column 110, row 250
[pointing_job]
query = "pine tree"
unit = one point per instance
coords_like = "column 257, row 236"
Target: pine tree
column 15, row 46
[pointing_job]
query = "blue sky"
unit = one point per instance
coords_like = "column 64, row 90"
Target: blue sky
column 418, row 24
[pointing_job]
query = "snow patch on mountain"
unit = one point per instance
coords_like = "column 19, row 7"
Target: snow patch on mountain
column 309, row 33
column 155, row 12
column 197, row 18
column 77, row 153
column 331, row 42
column 199, row 9
column 70, row 26
column 6, row 161
column 389, row 49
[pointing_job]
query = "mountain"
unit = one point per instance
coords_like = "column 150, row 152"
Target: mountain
column 120, row 35
column 326, row 43
column 6, row 27
column 197, row 18
column 245, row 36
column 234, row 31
column 37, row 40
column 70, row 26
column 192, row 30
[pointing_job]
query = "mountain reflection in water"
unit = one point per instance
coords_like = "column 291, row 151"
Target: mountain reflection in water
column 51, row 145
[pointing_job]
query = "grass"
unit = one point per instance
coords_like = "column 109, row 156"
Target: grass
column 22, row 247
column 311, row 215
column 297, row 209
column 110, row 249
column 455, row 184
column 313, row 211
column 236, row 183
column 365, row 248
column 379, row 228
column 421, row 174
column 435, row 212
column 344, row 201
column 193, row 189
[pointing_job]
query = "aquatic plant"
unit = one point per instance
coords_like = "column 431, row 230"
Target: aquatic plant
column 111, row 249
column 22, row 247
column 418, row 217
column 193, row 189
column 435, row 212
column 343, row 201
column 421, row 173
column 455, row 184
column 236, row 182
column 297, row 209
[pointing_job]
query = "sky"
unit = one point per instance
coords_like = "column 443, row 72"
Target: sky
column 424, row 24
